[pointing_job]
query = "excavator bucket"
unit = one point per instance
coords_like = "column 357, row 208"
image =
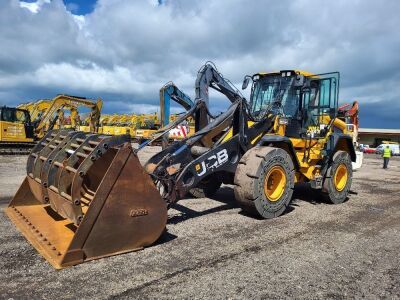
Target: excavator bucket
column 86, row 196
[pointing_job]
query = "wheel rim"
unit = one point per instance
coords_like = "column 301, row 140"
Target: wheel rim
column 274, row 183
column 341, row 176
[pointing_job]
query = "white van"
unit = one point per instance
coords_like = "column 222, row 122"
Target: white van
column 393, row 147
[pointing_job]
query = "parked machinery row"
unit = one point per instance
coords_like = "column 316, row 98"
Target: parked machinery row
column 22, row 126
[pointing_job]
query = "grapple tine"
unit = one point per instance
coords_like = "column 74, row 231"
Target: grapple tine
column 38, row 158
column 86, row 198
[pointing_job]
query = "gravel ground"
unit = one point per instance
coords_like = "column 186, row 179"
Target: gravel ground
column 211, row 249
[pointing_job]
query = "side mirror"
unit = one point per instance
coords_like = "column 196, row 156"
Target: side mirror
column 299, row 81
column 246, row 81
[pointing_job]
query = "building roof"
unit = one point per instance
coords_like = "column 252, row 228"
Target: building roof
column 378, row 131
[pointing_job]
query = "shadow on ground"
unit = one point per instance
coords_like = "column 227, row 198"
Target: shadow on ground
column 226, row 197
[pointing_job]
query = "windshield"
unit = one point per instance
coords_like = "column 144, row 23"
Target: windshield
column 274, row 89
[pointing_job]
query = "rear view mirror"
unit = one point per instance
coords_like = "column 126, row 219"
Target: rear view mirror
column 299, row 81
column 246, row 81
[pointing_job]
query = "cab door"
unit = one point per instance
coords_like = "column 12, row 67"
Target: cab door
column 9, row 127
column 320, row 102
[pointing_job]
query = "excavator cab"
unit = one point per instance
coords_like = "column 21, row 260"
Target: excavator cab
column 15, row 126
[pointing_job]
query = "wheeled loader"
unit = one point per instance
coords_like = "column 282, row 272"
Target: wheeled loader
column 87, row 196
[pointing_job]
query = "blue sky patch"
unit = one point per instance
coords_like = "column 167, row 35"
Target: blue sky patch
column 77, row 7
column 80, row 7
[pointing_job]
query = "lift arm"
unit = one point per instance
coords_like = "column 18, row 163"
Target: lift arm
column 208, row 76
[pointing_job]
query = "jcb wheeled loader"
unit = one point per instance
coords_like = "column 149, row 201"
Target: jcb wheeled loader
column 87, row 196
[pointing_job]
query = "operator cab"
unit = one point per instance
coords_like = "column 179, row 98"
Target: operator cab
column 13, row 115
column 306, row 103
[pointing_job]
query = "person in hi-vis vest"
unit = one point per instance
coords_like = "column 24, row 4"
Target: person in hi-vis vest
column 387, row 153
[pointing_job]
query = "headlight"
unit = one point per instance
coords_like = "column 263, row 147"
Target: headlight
column 283, row 121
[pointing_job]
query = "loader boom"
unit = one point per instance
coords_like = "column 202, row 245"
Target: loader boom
column 208, row 76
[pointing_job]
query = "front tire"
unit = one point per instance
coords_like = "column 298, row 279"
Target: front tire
column 264, row 181
column 338, row 179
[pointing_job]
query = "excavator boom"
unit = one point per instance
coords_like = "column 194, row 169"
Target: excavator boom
column 66, row 100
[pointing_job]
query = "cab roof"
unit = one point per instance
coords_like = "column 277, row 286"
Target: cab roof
column 300, row 72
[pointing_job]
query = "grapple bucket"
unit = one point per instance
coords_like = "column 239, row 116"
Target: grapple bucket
column 86, row 196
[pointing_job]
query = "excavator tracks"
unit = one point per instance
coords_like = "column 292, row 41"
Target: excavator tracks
column 16, row 148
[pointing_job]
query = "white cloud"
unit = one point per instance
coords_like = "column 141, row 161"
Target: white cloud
column 129, row 49
column 80, row 20
column 34, row 7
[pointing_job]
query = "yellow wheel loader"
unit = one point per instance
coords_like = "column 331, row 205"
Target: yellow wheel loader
column 87, row 196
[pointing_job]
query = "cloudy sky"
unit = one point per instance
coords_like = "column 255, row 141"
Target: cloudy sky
column 124, row 51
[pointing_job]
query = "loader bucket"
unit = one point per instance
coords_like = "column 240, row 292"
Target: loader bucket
column 86, row 196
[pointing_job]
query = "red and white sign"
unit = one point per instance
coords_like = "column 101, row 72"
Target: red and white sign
column 179, row 132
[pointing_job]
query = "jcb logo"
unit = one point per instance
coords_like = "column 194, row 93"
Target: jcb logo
column 212, row 162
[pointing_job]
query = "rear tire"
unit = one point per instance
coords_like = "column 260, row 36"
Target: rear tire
column 264, row 181
column 338, row 179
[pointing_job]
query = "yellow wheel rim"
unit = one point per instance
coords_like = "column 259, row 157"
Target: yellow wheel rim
column 274, row 183
column 340, row 178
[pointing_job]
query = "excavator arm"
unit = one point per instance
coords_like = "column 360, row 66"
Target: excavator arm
column 65, row 100
column 171, row 91
column 350, row 111
column 38, row 109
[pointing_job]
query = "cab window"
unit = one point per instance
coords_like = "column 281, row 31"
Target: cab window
column 8, row 115
column 21, row 116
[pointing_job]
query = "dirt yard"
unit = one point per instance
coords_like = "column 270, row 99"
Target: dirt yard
column 212, row 250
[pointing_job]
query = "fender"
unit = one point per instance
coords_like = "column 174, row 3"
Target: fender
column 340, row 141
column 282, row 142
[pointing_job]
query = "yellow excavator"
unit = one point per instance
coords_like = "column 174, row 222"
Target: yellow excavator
column 86, row 196
column 16, row 131
column 122, row 125
column 36, row 108
column 21, row 128
column 148, row 125
column 54, row 111
column 29, row 106
column 108, row 124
